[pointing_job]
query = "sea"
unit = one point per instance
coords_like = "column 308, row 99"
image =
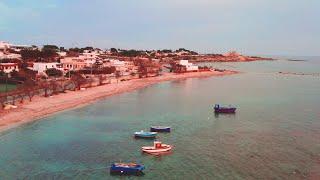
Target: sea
column 275, row 133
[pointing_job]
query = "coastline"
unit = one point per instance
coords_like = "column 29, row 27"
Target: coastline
column 42, row 107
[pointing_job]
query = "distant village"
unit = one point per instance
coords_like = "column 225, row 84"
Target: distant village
column 53, row 61
column 50, row 69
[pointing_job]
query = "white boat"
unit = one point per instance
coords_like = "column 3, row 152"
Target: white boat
column 157, row 147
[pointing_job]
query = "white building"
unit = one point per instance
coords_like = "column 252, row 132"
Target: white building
column 62, row 53
column 189, row 66
column 76, row 63
column 9, row 67
column 119, row 65
column 4, row 55
column 125, row 67
column 4, row 45
column 41, row 67
column 89, row 55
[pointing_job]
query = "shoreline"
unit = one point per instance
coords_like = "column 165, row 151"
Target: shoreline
column 38, row 108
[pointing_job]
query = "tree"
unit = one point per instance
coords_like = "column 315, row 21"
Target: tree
column 21, row 93
column 45, row 86
column 55, row 85
column 52, row 47
column 24, row 74
column 31, row 92
column 113, row 50
column 166, row 51
column 74, row 53
column 14, row 94
column 76, row 50
column 70, row 73
column 146, row 67
column 102, row 78
column 108, row 70
column 90, row 81
column 142, row 69
column 53, row 72
column 78, row 80
column 89, row 48
column 62, row 49
column 6, row 60
column 30, row 54
column 3, row 74
column 132, row 53
column 48, row 54
column 30, row 88
column 3, row 99
column 64, row 84
column 118, row 75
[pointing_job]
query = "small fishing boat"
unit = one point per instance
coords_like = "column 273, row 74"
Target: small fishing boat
column 143, row 134
column 157, row 147
column 224, row 109
column 127, row 169
column 160, row 128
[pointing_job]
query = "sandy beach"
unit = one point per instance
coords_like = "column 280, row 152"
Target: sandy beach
column 41, row 107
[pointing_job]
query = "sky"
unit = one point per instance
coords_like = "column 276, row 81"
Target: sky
column 253, row 27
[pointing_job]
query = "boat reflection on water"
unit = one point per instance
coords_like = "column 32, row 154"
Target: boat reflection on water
column 217, row 115
column 159, row 154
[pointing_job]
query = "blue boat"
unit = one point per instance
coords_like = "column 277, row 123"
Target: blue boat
column 126, row 169
column 143, row 134
column 160, row 129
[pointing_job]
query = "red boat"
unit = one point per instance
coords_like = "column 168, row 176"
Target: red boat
column 157, row 147
column 224, row 109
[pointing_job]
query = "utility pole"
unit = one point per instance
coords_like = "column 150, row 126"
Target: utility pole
column 6, row 87
column 6, row 82
column 91, row 68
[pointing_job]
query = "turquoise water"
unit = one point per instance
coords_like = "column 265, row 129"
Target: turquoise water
column 274, row 135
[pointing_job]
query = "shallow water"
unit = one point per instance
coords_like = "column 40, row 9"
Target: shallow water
column 274, row 135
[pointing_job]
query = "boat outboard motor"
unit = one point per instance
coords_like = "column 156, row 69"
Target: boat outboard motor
column 157, row 144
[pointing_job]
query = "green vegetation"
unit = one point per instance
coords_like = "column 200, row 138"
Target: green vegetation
column 114, row 50
column 51, row 47
column 52, row 72
column 9, row 86
column 132, row 53
column 47, row 54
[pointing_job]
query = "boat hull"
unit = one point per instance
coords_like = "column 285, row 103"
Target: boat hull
column 145, row 135
column 152, row 150
column 225, row 110
column 160, row 129
column 116, row 170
